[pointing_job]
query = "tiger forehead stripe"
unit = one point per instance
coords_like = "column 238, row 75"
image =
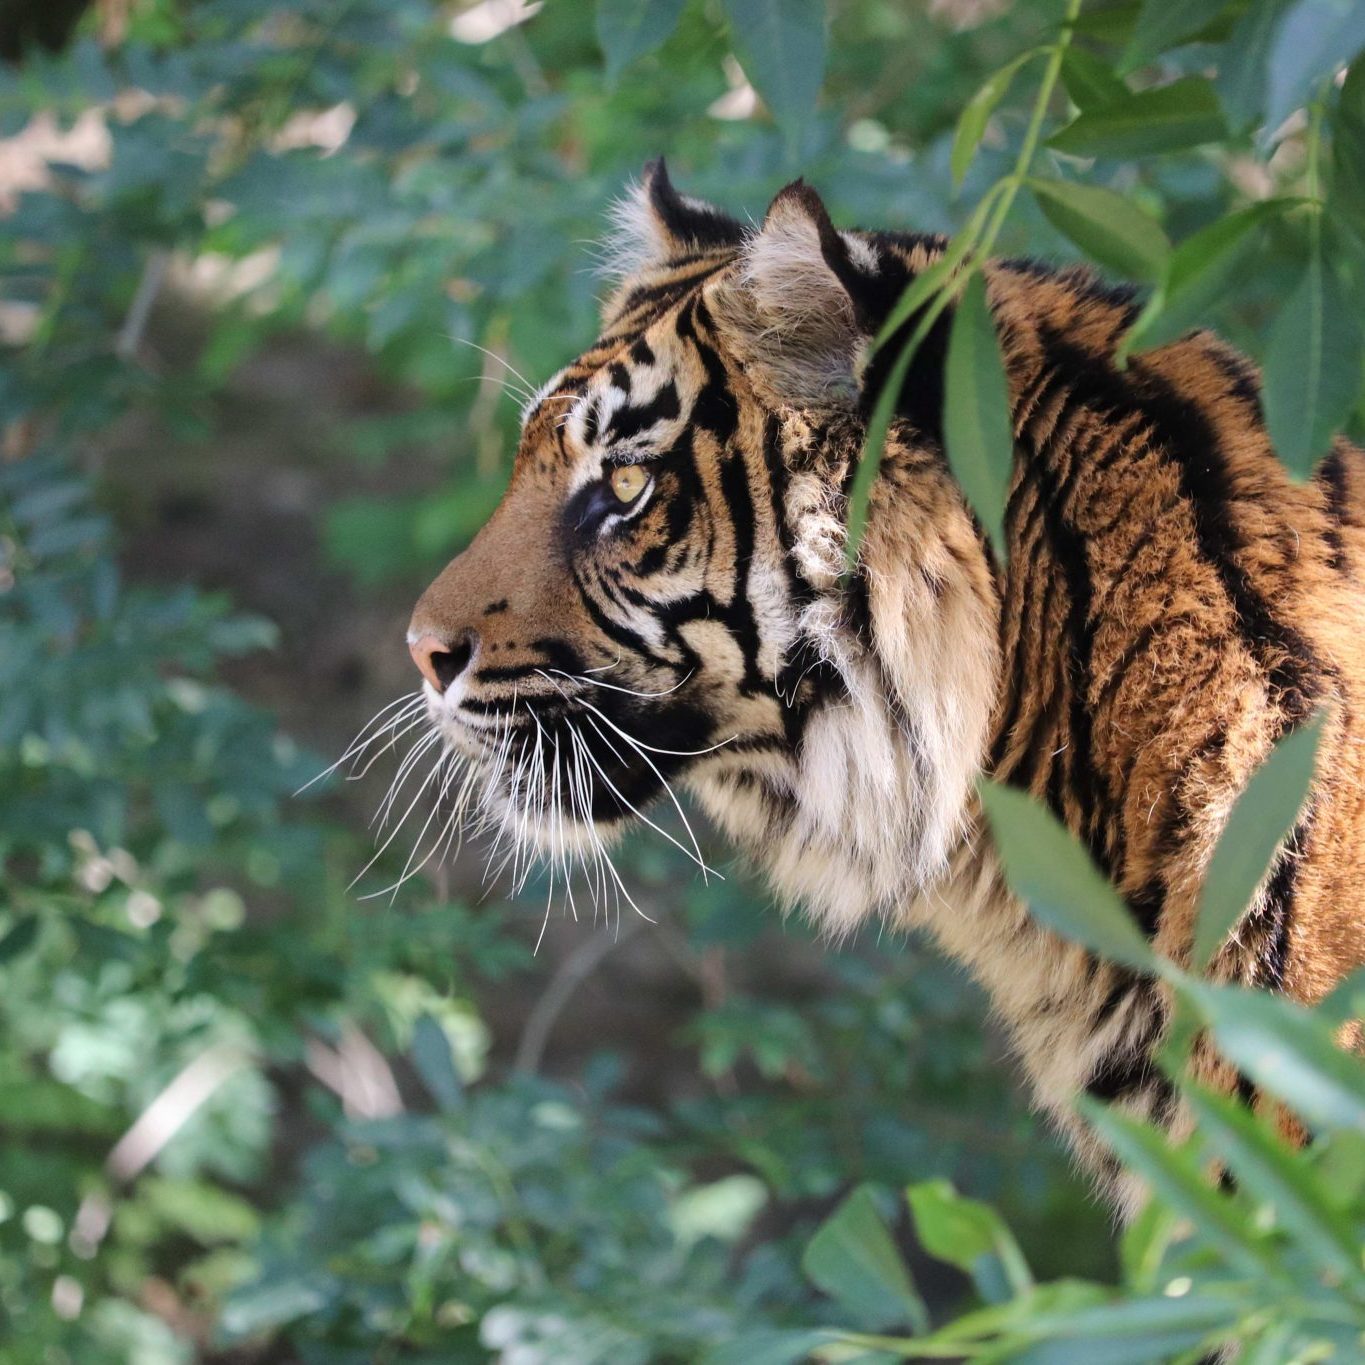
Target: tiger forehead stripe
column 662, row 598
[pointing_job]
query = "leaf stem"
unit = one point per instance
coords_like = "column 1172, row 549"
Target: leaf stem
column 1028, row 149
column 971, row 248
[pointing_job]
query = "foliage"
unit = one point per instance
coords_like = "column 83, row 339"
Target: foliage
column 385, row 174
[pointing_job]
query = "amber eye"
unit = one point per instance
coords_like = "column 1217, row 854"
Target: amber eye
column 628, row 481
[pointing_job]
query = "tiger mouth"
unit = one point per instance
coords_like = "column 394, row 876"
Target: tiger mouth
column 558, row 760
column 546, row 776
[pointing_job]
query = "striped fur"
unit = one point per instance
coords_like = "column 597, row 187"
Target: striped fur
column 1172, row 603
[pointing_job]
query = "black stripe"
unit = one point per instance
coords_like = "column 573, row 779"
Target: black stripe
column 629, row 421
column 1275, row 914
column 1190, row 440
column 715, row 409
column 1068, row 548
column 1332, row 476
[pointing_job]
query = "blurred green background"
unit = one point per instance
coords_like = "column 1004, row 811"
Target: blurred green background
column 265, row 269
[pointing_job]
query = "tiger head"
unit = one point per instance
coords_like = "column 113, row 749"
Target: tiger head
column 660, row 597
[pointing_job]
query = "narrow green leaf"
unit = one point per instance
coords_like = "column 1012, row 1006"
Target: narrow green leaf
column 853, row 1259
column 969, row 1235
column 978, row 431
column 1339, row 1162
column 919, row 297
column 1345, row 1001
column 874, row 445
column 1312, row 367
column 1348, row 149
column 1162, row 25
column 1176, row 1179
column 1142, row 1247
column 1312, row 40
column 628, row 29
column 1148, row 1348
column 923, row 287
column 1282, row 1047
column 781, row 45
column 768, row 1346
column 1047, row 867
column 1170, row 118
column 1106, row 226
column 1280, row 1177
column 1198, row 272
column 1136, row 1318
column 1261, row 819
column 971, row 123
column 1241, row 81
column 1088, row 81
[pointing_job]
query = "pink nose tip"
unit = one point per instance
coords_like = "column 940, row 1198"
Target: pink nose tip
column 441, row 663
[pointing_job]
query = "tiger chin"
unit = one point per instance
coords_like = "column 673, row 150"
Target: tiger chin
column 660, row 600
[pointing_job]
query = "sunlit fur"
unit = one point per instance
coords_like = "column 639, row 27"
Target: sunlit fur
column 1171, row 602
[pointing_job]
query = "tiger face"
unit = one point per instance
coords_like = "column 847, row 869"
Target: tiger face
column 658, row 597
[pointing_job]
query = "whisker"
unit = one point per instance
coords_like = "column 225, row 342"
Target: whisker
column 635, row 810
column 629, row 691
column 405, row 770
column 409, row 704
column 393, row 833
column 409, row 871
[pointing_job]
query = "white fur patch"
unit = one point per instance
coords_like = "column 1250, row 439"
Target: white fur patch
column 637, row 239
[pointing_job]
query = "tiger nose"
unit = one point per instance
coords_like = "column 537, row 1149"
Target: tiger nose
column 442, row 661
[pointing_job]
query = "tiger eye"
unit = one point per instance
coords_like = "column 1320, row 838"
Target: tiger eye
column 628, row 482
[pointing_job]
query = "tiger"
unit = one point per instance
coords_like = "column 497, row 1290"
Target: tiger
column 661, row 598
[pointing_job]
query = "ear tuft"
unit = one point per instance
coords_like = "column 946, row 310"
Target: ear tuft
column 793, row 312
column 653, row 224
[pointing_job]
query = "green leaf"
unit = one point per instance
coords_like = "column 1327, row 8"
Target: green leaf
column 1088, row 81
column 1045, row 866
column 969, row 1235
column 1179, row 1182
column 19, row 938
column 1312, row 367
column 271, row 1304
column 1170, row 118
column 781, row 45
column 1345, row 1001
column 435, row 1063
column 1106, row 226
column 978, row 431
column 971, row 123
column 933, row 280
column 1312, row 40
column 627, row 29
column 874, row 446
column 853, row 1259
column 1274, row 1174
column 1198, row 272
column 918, row 297
column 1285, row 1049
column 1261, row 818
column 1147, row 1348
column 1162, row 25
column 1241, row 81
column 768, row 1346
column 1348, row 149
column 1142, row 1247
column 1138, row 1317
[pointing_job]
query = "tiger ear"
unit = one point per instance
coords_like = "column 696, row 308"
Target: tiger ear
column 653, row 224
column 793, row 311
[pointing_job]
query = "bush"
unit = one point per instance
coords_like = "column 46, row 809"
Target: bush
column 247, row 1118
